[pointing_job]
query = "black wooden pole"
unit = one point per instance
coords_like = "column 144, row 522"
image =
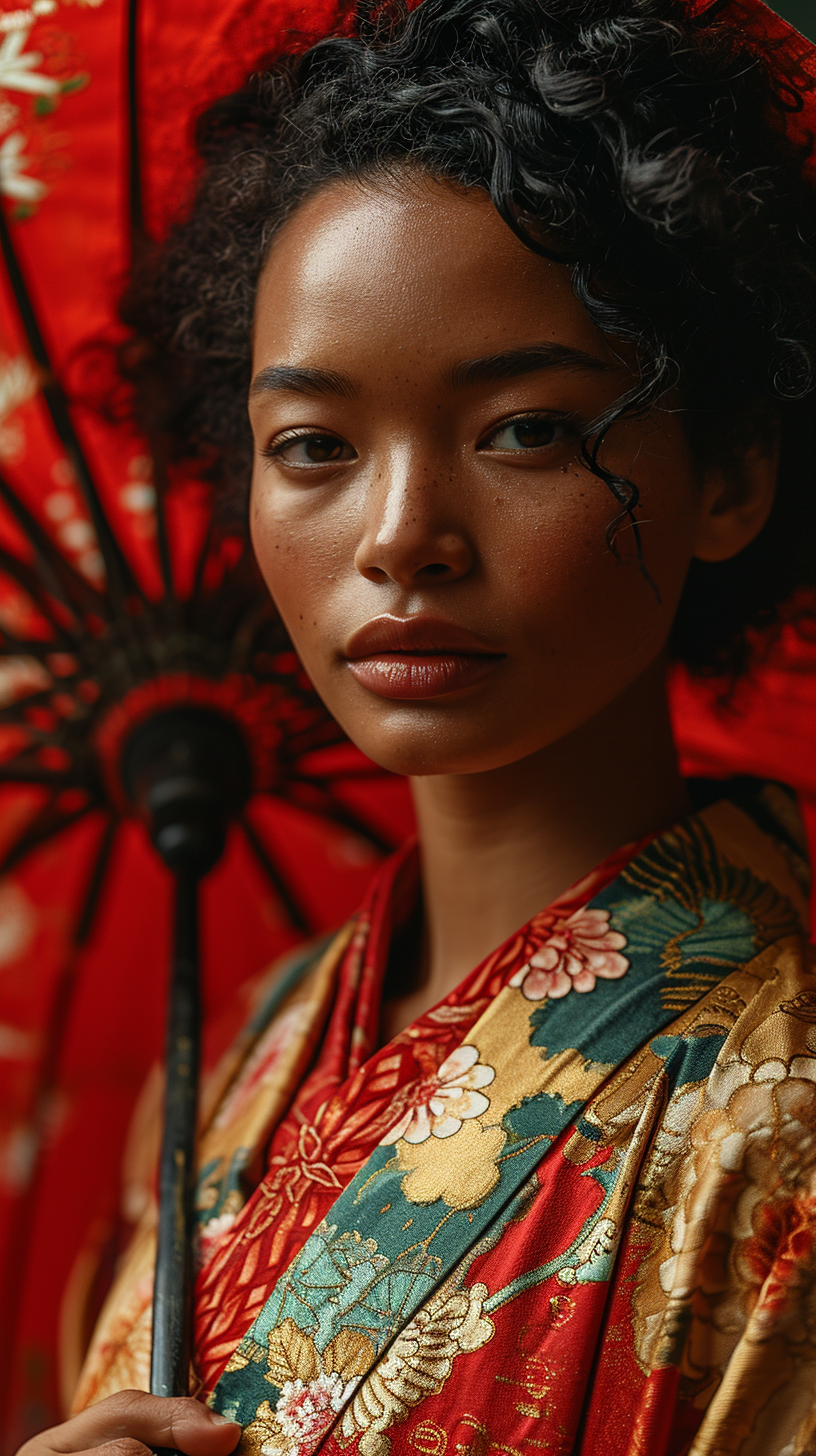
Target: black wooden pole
column 170, row 1362
column 187, row 773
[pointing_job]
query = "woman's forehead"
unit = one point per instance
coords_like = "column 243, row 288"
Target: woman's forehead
column 426, row 266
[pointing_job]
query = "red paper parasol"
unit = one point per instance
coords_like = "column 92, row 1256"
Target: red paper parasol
column 116, row 606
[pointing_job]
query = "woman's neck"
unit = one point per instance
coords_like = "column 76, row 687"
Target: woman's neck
column 498, row 846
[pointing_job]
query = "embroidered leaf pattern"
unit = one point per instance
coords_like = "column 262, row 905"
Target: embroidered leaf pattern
column 348, row 1354
column 291, row 1355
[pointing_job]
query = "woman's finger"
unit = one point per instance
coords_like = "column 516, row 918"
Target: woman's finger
column 123, row 1446
column 137, row 1420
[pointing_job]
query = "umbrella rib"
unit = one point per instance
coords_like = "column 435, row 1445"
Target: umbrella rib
column 120, row 577
column 37, row 829
column 252, row 621
column 341, row 814
column 203, row 558
column 93, row 893
column 11, row 646
column 162, row 536
column 27, row 579
column 321, row 732
column 41, row 828
column 42, row 697
column 67, row 585
column 291, row 903
column 30, row 774
column 138, row 237
column 37, row 737
column 135, row 194
column 361, row 773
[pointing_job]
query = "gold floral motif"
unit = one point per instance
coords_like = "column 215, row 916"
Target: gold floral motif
column 502, row 1038
column 313, row 1388
column 735, row 1155
column 417, row 1365
column 463, row 1181
column 802, row 1006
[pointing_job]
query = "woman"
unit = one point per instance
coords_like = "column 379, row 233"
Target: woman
column 524, row 300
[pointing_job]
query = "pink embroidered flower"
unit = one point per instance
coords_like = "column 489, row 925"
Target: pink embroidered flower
column 575, row 953
column 442, row 1102
column 305, row 1411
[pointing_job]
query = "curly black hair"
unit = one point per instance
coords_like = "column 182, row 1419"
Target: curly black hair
column 653, row 154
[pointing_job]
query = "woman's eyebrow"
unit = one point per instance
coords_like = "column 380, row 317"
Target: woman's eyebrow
column 469, row 372
column 527, row 360
column 302, row 381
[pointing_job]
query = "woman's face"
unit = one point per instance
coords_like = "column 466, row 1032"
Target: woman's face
column 419, row 510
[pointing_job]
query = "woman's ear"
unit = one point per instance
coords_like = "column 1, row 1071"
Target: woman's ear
column 738, row 493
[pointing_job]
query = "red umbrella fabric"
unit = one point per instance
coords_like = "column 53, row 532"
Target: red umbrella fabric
column 81, row 1013
column 85, row 914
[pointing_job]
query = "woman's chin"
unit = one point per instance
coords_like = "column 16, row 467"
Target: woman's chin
column 423, row 754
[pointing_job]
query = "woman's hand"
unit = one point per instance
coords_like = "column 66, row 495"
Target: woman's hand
column 132, row 1423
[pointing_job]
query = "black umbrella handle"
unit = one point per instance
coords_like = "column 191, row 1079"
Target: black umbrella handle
column 172, row 1289
column 187, row 773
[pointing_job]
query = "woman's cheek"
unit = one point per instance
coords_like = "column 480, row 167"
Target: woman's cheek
column 589, row 616
column 302, row 579
column 282, row 548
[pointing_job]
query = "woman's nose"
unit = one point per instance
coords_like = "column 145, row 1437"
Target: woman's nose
column 411, row 536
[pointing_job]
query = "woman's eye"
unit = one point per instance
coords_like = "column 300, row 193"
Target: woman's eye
column 534, row 432
column 311, row 449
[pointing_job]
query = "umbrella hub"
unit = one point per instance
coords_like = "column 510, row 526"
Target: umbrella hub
column 187, row 773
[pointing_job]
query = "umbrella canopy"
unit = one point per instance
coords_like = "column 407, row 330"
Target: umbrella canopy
column 120, row 595
column 115, row 605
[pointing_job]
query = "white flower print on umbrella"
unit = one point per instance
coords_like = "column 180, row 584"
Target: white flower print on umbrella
column 19, row 383
column 13, row 181
column 442, row 1102
column 577, row 951
column 18, row 71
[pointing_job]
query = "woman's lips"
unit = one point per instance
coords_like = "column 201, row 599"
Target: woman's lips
column 425, row 675
column 418, row 657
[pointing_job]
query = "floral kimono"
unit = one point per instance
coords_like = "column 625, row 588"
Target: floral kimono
column 572, row 1208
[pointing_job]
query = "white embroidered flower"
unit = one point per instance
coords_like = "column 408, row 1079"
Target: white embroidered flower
column 442, row 1102
column 13, row 181
column 18, row 71
column 575, row 953
column 305, row 1410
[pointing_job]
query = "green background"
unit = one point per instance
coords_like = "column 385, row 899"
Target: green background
column 801, row 13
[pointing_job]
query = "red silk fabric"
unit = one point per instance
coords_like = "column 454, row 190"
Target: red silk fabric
column 355, row 1094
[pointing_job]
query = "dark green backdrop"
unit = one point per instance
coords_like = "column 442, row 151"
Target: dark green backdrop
column 801, row 13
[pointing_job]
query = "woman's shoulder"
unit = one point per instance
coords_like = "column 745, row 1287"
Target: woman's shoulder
column 715, row 891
